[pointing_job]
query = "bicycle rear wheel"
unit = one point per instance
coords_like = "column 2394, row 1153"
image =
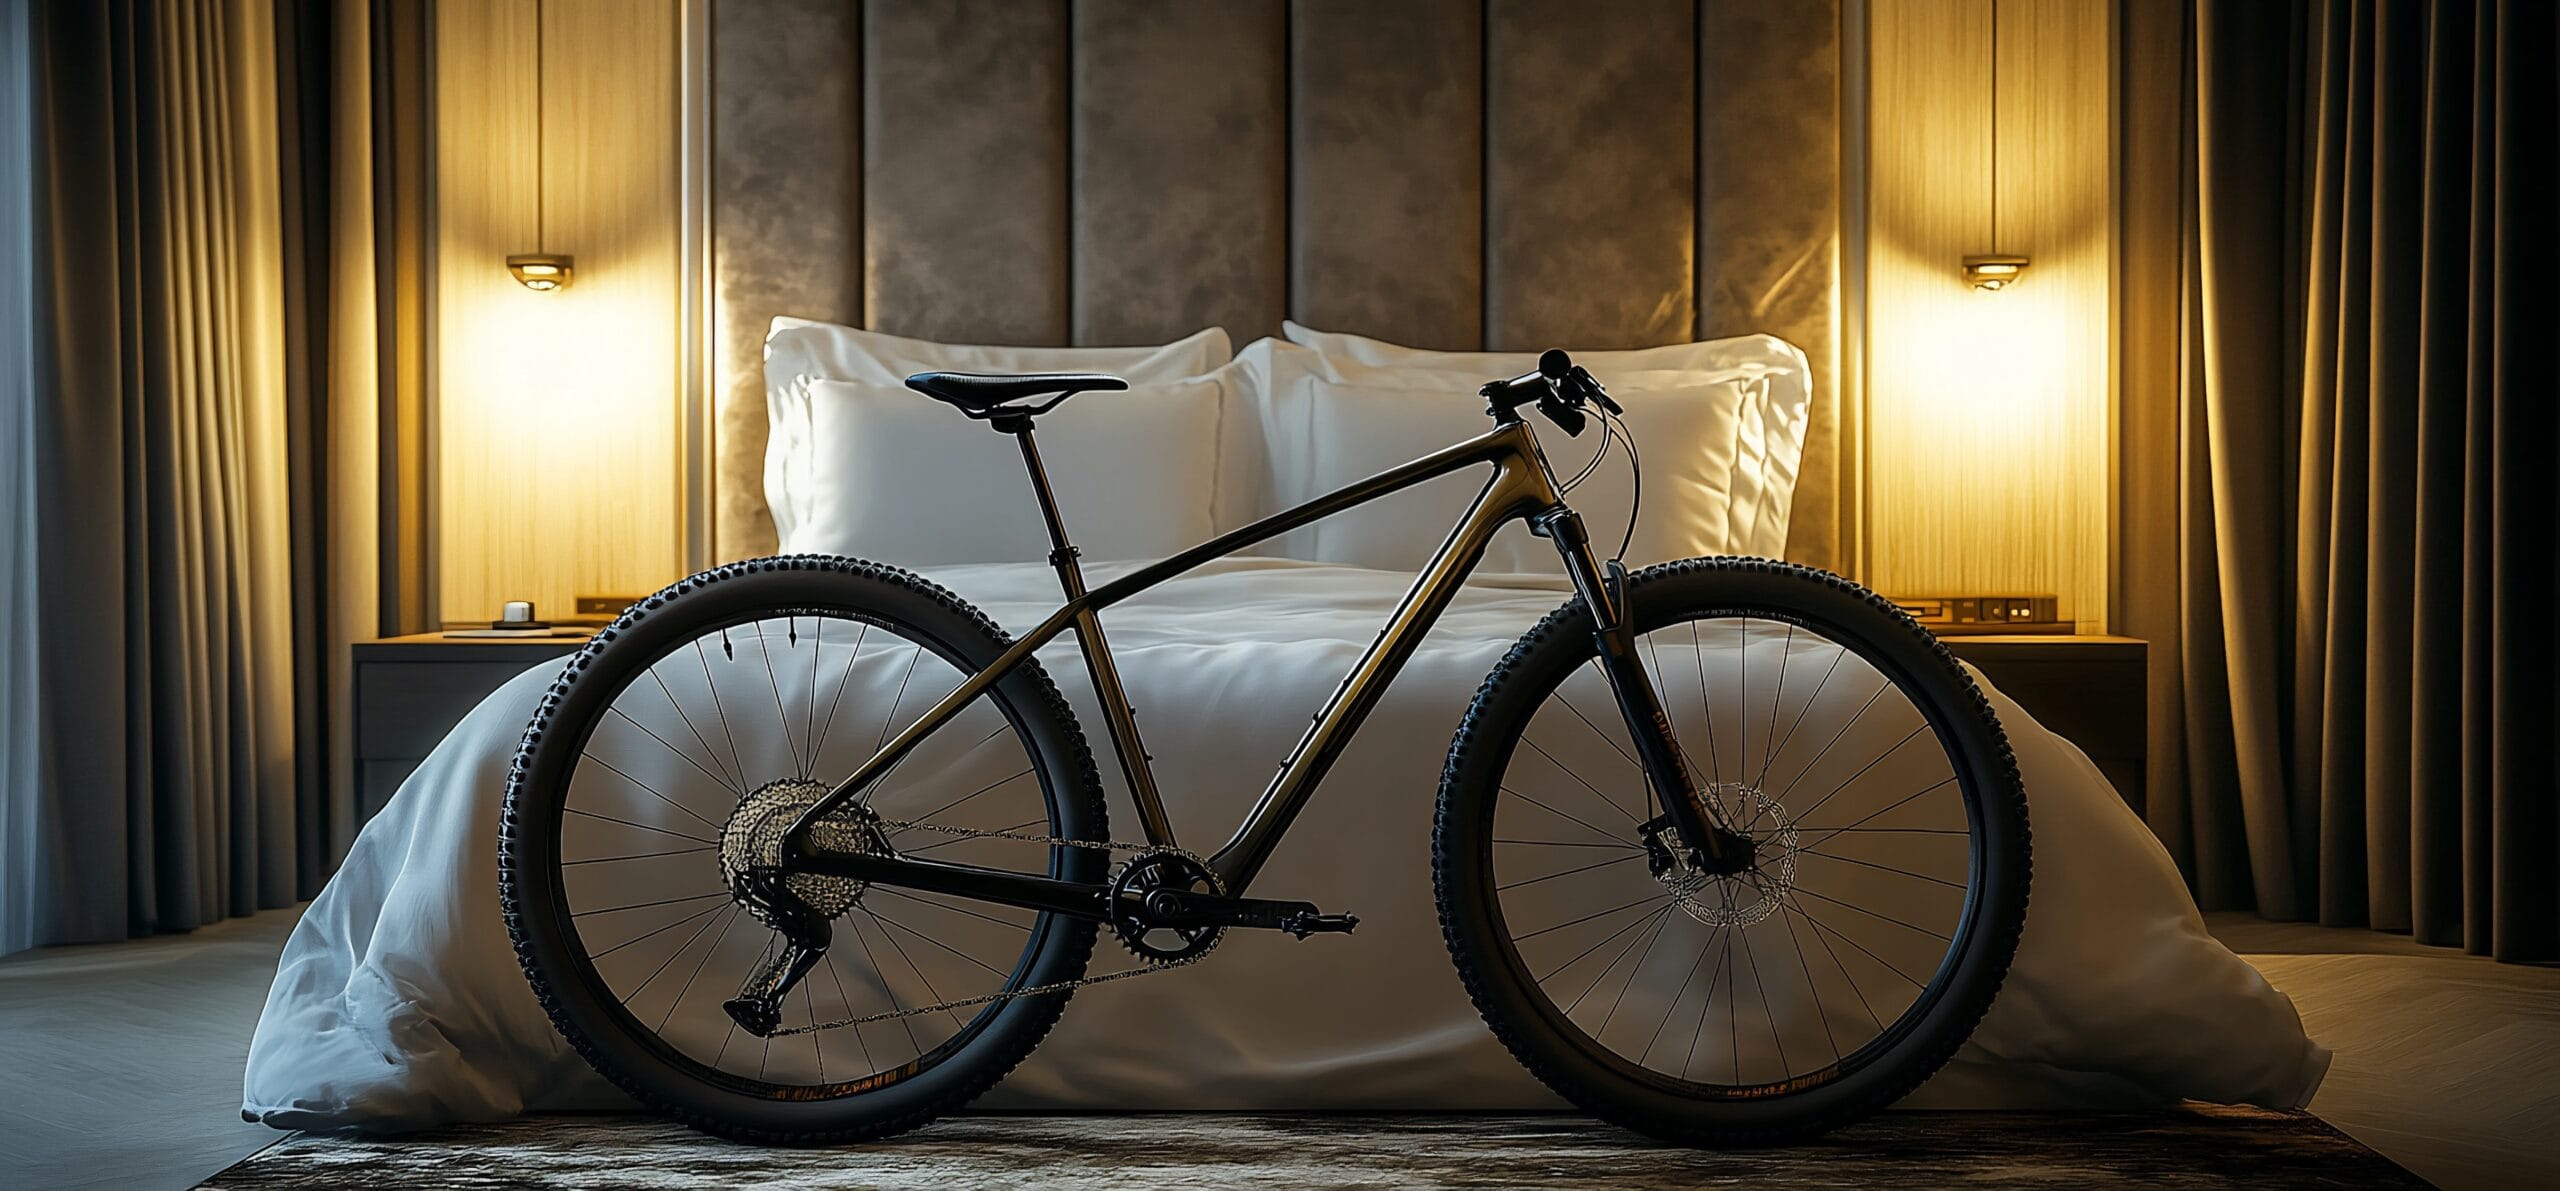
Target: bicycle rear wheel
column 1816, row 979
column 672, row 752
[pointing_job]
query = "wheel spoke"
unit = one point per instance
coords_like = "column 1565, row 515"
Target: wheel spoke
column 764, row 647
column 860, row 635
column 1872, row 914
column 652, row 790
column 1577, row 821
column 1567, row 770
column 1837, row 655
column 736, row 782
column 664, row 901
column 1880, row 867
column 654, row 933
column 736, row 762
column 1769, row 749
column 697, row 968
column 571, row 810
column 1605, row 940
column 1605, row 738
column 1566, row 873
column 1895, row 805
column 1863, row 770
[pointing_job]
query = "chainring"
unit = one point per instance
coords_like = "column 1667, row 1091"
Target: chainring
column 1146, row 873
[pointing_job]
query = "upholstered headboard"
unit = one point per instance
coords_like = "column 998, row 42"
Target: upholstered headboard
column 1446, row 173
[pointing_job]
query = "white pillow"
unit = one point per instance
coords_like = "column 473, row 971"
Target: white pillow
column 1272, row 384
column 799, row 353
column 901, row 478
column 1693, row 438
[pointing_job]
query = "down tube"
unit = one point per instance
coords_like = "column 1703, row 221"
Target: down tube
column 1517, row 490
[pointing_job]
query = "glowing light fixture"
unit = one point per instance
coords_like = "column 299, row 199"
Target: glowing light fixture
column 1988, row 271
column 539, row 271
column 542, row 271
column 1993, row 271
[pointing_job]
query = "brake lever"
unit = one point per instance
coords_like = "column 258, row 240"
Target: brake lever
column 1588, row 387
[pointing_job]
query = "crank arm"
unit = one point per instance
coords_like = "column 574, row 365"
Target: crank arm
column 1022, row 890
column 1187, row 908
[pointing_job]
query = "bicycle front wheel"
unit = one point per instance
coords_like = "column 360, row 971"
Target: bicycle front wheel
column 1772, row 995
column 671, row 755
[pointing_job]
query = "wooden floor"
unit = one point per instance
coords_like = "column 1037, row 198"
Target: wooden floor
column 2448, row 1063
column 120, row 1064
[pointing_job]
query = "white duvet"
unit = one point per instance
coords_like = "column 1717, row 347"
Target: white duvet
column 398, row 1003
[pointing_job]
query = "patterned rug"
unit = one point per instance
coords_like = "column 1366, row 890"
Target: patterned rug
column 2185, row 1148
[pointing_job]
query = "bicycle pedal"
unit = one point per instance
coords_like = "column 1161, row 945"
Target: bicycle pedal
column 1302, row 925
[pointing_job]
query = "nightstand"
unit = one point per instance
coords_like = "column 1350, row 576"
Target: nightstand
column 410, row 691
column 2091, row 690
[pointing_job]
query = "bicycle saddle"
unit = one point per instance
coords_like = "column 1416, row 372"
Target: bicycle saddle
column 980, row 394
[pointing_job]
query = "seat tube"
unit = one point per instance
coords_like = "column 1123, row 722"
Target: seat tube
column 1136, row 766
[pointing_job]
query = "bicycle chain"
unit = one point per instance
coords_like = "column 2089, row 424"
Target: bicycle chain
column 893, row 826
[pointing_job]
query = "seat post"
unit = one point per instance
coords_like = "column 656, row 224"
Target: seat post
column 1062, row 554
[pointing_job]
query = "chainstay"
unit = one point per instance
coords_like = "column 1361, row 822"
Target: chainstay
column 894, row 826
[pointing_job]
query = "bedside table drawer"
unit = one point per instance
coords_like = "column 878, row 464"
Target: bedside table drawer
column 408, row 706
column 411, row 691
column 2088, row 690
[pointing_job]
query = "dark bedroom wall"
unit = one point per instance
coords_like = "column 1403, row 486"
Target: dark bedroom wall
column 1448, row 173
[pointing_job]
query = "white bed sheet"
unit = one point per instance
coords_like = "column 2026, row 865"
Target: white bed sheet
column 398, row 1003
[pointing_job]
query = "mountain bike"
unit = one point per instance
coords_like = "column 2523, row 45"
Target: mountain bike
column 1728, row 851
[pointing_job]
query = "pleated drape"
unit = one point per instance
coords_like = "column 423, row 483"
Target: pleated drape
column 201, row 434
column 2367, row 483
column 21, row 840
column 164, row 655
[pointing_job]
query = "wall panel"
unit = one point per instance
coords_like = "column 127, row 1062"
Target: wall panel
column 1386, row 199
column 965, row 169
column 556, row 464
column 787, row 179
column 1591, row 177
column 1769, row 214
column 1180, row 167
column 1989, row 444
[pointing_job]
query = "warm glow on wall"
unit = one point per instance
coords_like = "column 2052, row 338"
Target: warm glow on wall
column 1989, row 370
column 1988, row 409
column 557, row 470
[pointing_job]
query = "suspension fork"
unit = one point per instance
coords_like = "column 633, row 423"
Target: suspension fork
column 1604, row 590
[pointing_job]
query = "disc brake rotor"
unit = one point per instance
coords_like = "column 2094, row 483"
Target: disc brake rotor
column 1754, row 893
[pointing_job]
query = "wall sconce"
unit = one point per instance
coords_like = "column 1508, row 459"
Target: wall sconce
column 1983, row 271
column 539, row 271
column 1992, row 271
column 543, row 272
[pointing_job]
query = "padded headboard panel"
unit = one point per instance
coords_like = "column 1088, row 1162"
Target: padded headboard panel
column 1447, row 173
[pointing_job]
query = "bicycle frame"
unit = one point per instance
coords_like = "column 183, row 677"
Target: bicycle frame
column 1521, row 488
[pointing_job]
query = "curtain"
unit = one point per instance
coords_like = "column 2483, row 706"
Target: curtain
column 19, row 840
column 2366, row 476
column 208, row 366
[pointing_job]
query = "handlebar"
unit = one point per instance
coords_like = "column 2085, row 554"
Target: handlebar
column 1559, row 387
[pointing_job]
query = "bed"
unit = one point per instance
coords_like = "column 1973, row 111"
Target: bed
column 398, row 1003
column 1458, row 174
